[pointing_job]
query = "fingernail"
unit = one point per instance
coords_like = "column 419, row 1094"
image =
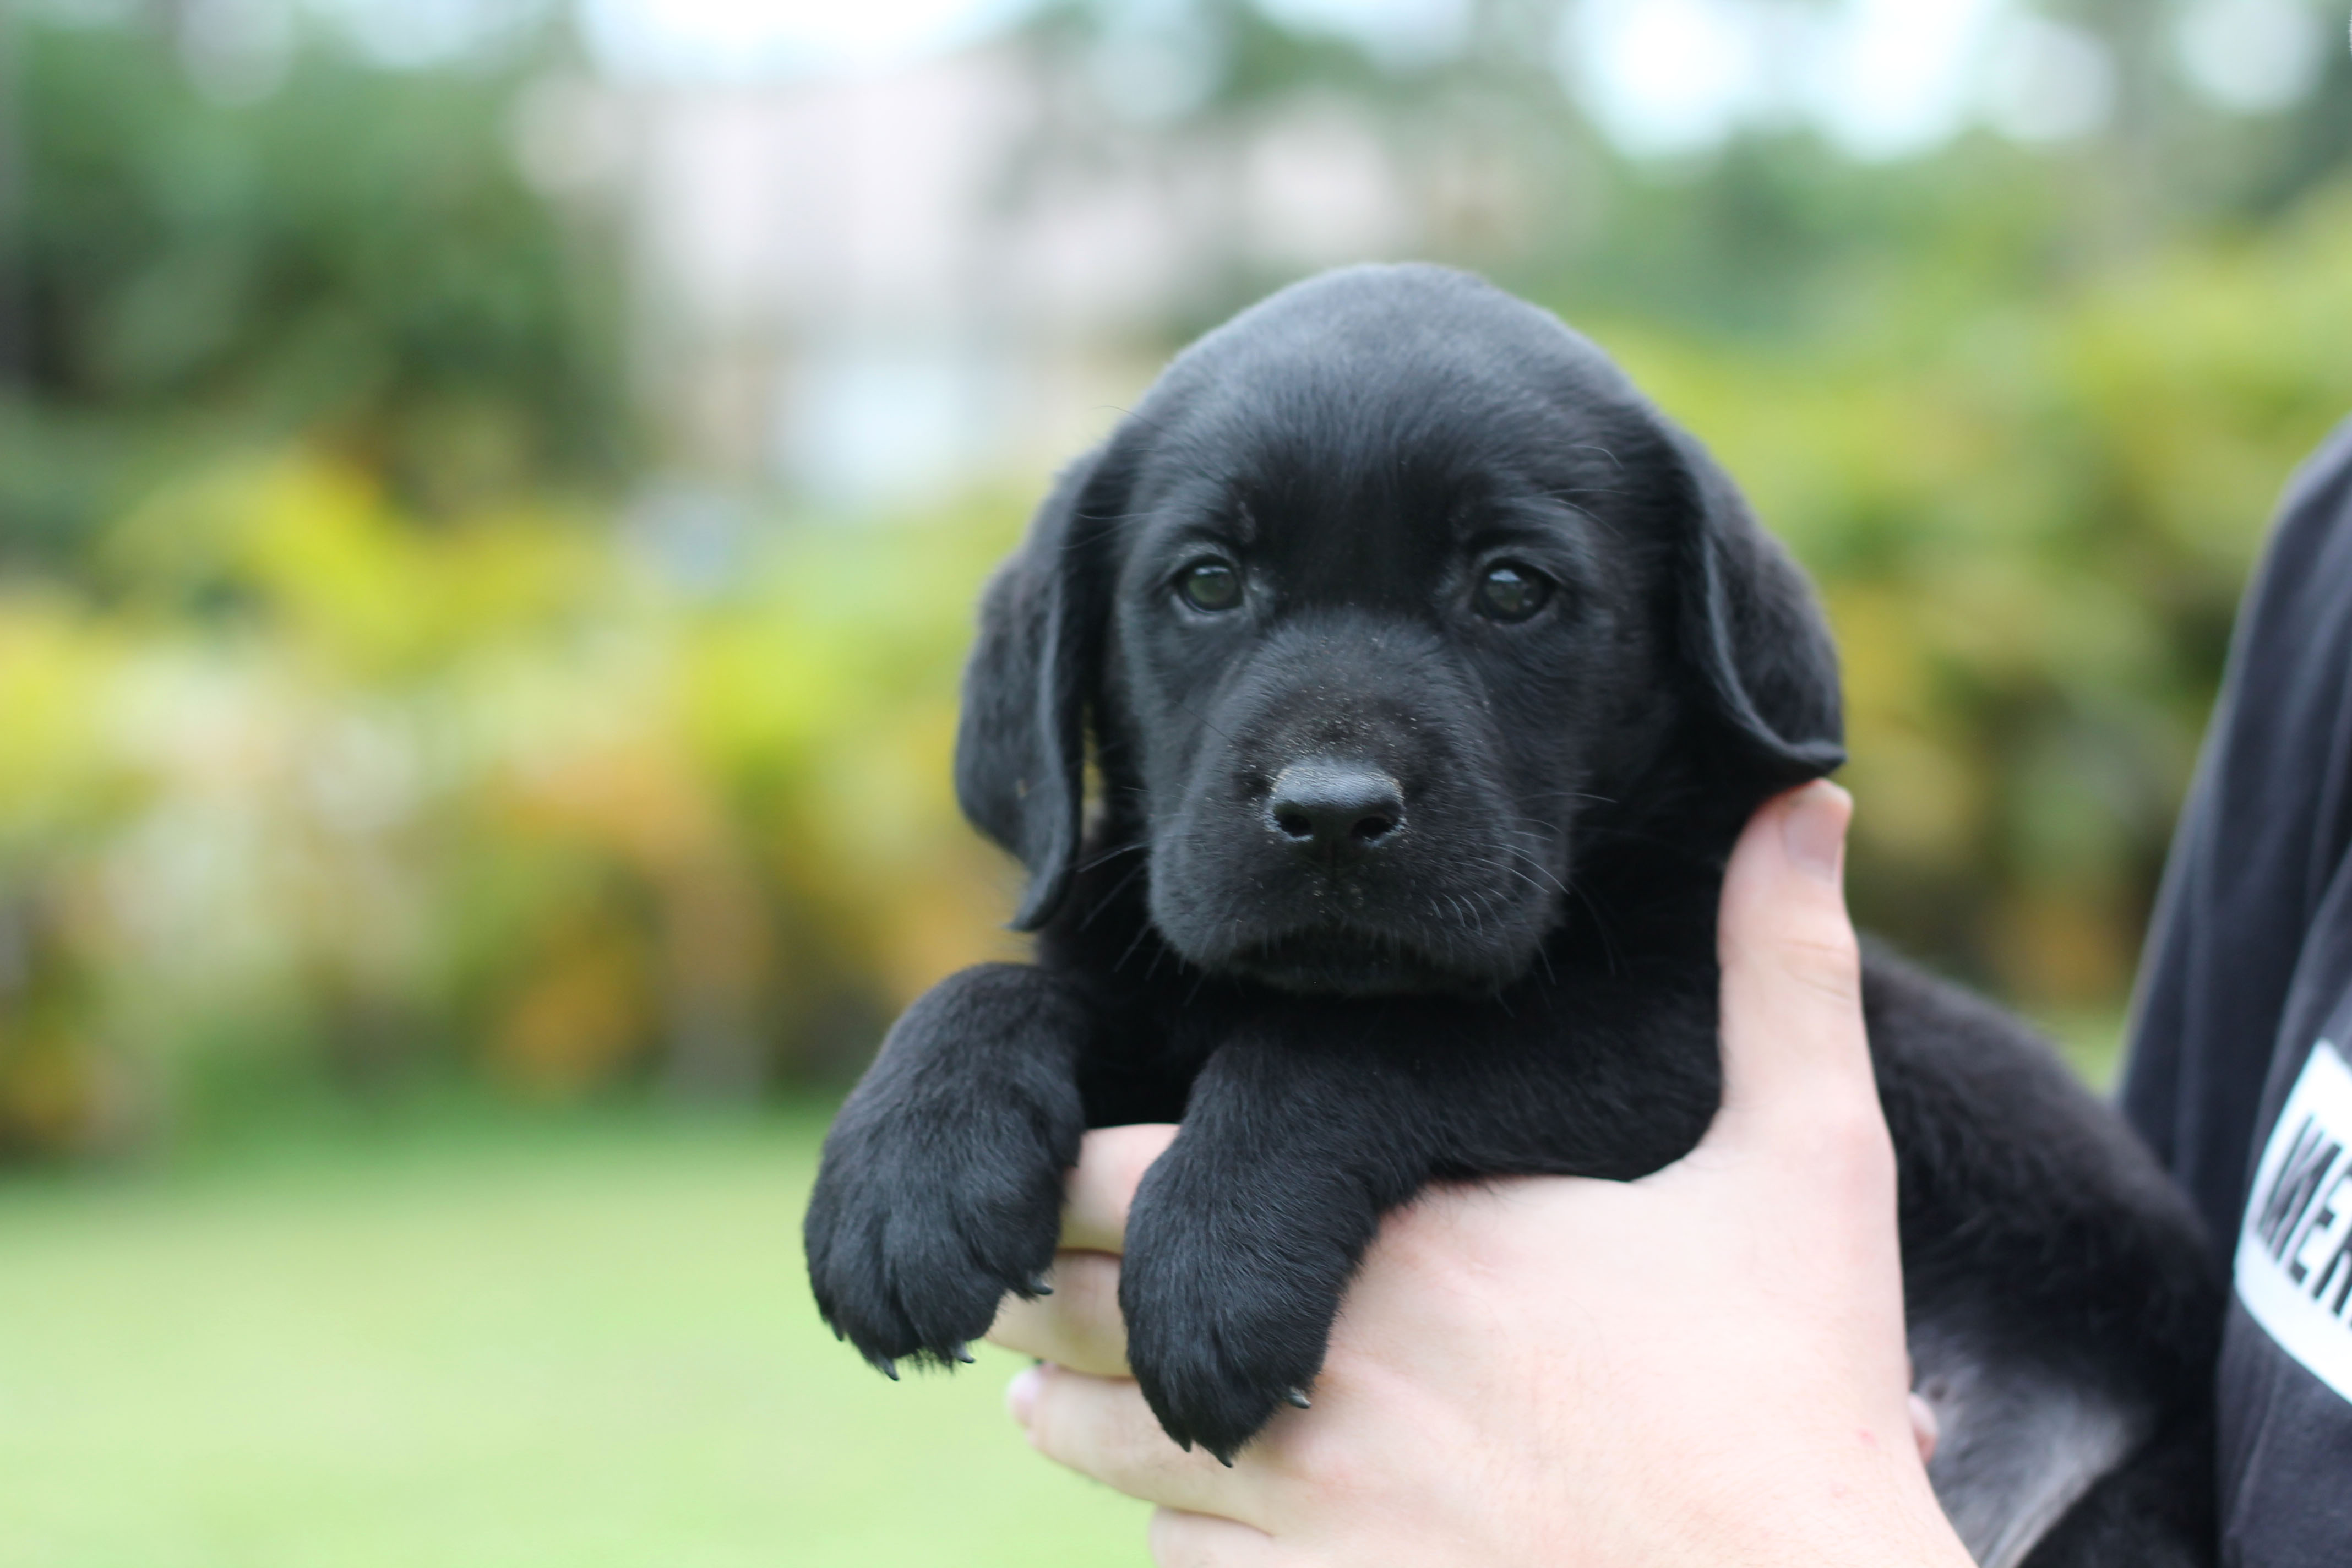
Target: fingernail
column 1021, row 1394
column 1814, row 829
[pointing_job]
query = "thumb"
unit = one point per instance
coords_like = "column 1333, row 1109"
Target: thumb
column 1796, row 1060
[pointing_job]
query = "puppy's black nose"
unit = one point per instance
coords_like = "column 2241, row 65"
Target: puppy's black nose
column 1333, row 808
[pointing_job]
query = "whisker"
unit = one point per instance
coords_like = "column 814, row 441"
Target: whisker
column 1203, row 720
column 1573, row 794
column 1112, row 897
column 1600, row 928
column 1107, row 856
column 1142, row 930
column 1537, row 865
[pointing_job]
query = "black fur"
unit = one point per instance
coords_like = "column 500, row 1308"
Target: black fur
column 1378, row 890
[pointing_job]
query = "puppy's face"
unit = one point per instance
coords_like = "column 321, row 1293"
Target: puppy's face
column 1389, row 591
column 1377, row 646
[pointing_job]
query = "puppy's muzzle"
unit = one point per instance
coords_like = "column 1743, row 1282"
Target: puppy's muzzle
column 1335, row 812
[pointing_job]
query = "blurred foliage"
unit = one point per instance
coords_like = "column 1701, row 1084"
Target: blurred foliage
column 496, row 793
column 368, row 718
column 350, row 259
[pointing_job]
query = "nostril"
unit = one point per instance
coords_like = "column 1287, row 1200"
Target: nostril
column 1329, row 807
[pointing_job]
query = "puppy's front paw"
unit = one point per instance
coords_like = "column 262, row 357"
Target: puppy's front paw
column 1222, row 1329
column 910, row 1256
column 942, row 1185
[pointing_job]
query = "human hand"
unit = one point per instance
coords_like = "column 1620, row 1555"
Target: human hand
column 1705, row 1366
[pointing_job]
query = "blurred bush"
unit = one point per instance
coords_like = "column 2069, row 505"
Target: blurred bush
column 498, row 794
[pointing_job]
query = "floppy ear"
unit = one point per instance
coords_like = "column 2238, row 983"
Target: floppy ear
column 1021, row 749
column 1750, row 626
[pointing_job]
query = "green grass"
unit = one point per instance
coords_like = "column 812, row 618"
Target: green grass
column 591, row 1346
column 512, row 1344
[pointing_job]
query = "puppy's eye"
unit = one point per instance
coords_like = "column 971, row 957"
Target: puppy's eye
column 1211, row 585
column 1510, row 592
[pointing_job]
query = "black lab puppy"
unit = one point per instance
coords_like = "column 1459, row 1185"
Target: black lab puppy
column 1429, row 674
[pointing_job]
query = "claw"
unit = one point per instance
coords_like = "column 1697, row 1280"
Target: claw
column 886, row 1366
column 1295, row 1397
column 963, row 1353
column 1037, row 1286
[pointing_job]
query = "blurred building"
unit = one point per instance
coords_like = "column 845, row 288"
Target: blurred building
column 868, row 288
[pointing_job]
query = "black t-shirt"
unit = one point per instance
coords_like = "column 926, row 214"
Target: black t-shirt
column 2238, row 1073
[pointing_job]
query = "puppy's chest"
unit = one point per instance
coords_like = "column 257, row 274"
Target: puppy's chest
column 1596, row 1078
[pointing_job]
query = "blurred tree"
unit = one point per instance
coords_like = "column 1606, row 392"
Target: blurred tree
column 344, row 253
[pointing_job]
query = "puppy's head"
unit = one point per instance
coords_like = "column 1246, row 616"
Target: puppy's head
column 1390, row 599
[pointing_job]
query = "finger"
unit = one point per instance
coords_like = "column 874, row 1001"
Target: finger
column 1794, row 1050
column 1111, row 1161
column 1181, row 1539
column 1100, row 1426
column 1079, row 1326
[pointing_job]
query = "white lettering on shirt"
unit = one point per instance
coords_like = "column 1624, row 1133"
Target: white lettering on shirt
column 2295, row 1248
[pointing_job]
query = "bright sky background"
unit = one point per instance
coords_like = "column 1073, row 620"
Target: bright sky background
column 1881, row 77
column 735, row 38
